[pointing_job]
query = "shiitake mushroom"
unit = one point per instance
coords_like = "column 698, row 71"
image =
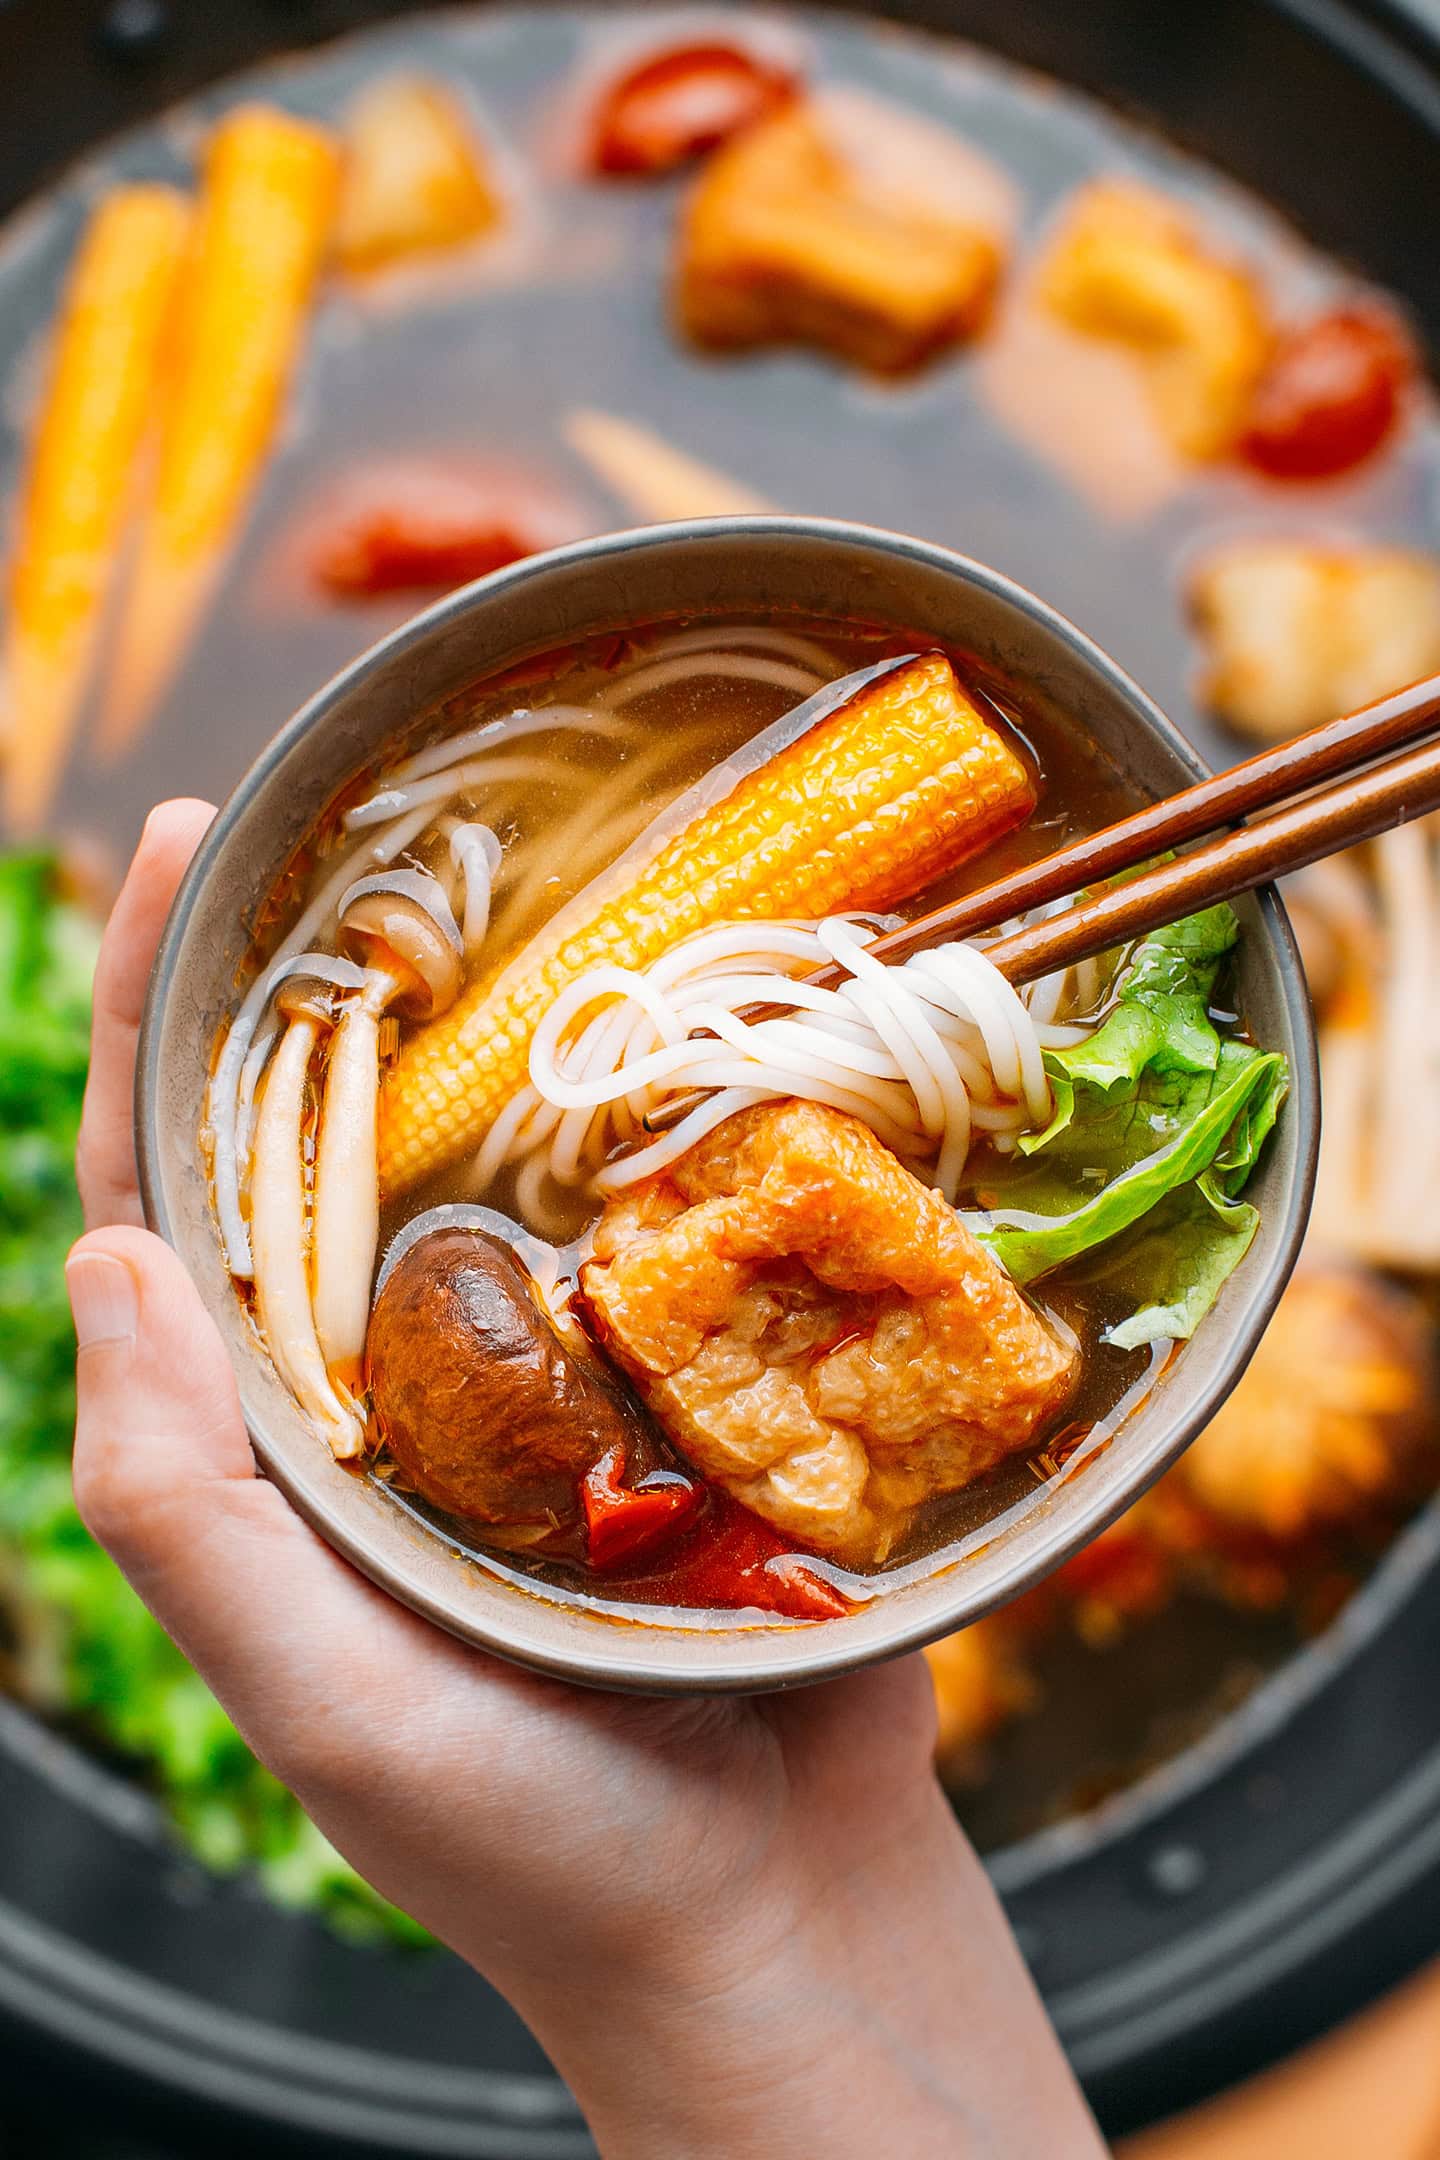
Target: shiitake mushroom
column 486, row 1410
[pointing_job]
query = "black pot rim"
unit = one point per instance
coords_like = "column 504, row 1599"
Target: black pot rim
column 1357, row 1902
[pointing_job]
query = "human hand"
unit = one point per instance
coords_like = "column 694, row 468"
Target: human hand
column 737, row 1925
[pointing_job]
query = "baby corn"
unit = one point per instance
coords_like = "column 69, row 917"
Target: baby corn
column 867, row 807
column 265, row 220
column 97, row 407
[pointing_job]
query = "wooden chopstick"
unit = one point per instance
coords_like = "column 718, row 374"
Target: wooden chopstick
column 1339, row 817
column 1377, row 793
column 1344, row 745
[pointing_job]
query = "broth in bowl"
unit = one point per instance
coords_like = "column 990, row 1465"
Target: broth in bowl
column 629, row 1258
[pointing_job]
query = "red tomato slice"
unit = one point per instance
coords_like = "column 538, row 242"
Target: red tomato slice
column 729, row 1559
column 412, row 525
column 679, row 103
column 624, row 1523
column 1331, row 394
column 786, row 1585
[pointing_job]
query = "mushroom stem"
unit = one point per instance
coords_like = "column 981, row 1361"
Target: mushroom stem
column 277, row 1237
column 347, row 1187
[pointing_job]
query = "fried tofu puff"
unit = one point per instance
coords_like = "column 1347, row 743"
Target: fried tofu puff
column 805, row 231
column 1295, row 633
column 1128, row 265
column 415, row 179
column 817, row 1331
column 1324, row 1428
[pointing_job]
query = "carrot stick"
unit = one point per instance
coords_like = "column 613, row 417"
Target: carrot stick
column 265, row 216
column 98, row 399
column 651, row 478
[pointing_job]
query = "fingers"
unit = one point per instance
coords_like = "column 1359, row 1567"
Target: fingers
column 105, row 1157
column 165, row 1479
column 158, row 1405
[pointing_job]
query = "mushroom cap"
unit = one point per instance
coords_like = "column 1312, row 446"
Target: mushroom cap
column 487, row 1409
column 406, row 913
column 304, row 987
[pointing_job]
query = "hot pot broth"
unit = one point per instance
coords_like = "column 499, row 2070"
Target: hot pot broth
column 1025, row 450
column 583, row 761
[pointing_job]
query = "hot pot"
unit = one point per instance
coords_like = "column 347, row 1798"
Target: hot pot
column 1272, row 1878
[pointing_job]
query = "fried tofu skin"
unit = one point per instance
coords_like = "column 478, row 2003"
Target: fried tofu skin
column 1322, row 1429
column 791, row 238
column 1128, row 265
column 1295, row 634
column 817, row 1331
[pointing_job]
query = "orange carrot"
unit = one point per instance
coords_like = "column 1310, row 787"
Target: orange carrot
column 97, row 402
column 265, row 217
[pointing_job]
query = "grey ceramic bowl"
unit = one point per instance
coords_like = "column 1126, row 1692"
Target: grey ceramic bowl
column 722, row 566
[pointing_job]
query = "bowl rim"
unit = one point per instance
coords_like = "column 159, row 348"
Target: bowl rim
column 801, row 1653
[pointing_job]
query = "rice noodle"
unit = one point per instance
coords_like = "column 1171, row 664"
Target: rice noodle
column 476, row 853
column 504, row 729
column 779, row 674
column 584, row 843
column 438, row 788
column 927, row 1054
column 789, row 643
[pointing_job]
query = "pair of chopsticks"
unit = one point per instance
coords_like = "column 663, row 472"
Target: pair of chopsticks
column 1373, row 791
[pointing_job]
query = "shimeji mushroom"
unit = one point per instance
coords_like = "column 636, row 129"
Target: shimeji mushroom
column 400, row 927
column 304, row 998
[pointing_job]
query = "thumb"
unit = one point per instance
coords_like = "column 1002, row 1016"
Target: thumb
column 278, row 1624
column 164, row 1476
column 158, row 1414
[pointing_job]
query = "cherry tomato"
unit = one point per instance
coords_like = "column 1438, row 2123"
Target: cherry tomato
column 679, row 103
column 1330, row 396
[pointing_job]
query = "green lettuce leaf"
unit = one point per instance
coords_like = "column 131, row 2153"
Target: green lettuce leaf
column 1158, row 1123
column 1171, row 1265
